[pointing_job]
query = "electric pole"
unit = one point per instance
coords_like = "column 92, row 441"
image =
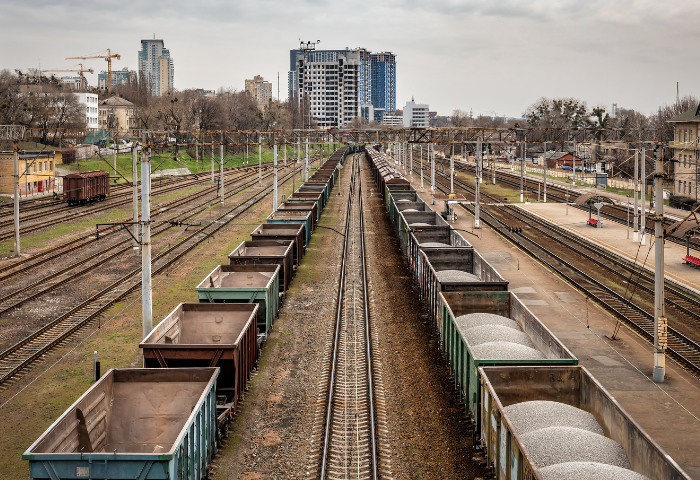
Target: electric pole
column 135, row 194
column 635, row 235
column 643, row 198
column 146, row 287
column 478, row 180
column 221, row 170
column 15, row 147
column 660, row 324
column 544, row 162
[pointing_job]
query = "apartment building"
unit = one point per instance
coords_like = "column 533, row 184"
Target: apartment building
column 259, row 89
column 686, row 152
column 343, row 84
column 89, row 100
column 119, row 77
column 157, row 66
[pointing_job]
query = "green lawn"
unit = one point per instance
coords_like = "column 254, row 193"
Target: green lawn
column 167, row 160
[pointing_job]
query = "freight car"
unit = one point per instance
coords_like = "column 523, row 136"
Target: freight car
column 134, row 423
column 552, row 422
column 208, row 335
column 81, row 188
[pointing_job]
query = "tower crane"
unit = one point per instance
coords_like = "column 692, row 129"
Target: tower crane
column 108, row 57
column 81, row 70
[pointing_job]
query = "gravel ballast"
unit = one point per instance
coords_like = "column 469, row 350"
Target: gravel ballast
column 496, row 333
column 478, row 319
column 552, row 445
column 456, row 276
column 534, row 415
column 506, row 351
column 588, row 471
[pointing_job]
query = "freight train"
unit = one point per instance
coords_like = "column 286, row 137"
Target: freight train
column 166, row 420
column 535, row 412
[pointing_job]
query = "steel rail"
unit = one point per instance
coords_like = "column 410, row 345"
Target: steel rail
column 189, row 243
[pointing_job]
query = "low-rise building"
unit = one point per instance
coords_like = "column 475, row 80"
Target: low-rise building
column 36, row 172
column 117, row 114
column 686, row 152
column 416, row 115
column 90, row 101
column 392, row 119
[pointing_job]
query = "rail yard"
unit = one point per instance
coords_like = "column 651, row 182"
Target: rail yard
column 364, row 327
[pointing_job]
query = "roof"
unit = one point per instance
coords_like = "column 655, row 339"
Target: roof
column 692, row 115
column 117, row 102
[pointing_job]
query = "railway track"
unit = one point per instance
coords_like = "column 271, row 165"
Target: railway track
column 76, row 270
column 683, row 349
column 18, row 357
column 350, row 437
column 64, row 214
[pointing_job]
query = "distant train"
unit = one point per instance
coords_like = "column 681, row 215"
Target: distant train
column 81, row 188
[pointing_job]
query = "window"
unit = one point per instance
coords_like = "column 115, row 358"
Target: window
column 690, row 188
column 39, row 167
column 33, row 167
column 680, row 185
column 45, row 169
column 50, row 164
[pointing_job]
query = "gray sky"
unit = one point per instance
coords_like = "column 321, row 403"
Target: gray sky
column 491, row 56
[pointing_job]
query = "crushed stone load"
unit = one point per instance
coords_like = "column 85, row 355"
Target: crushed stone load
column 506, row 351
column 478, row 319
column 410, row 210
column 553, row 445
column 419, row 224
column 588, row 471
column 456, row 276
column 496, row 333
column 433, row 244
column 534, row 415
column 403, row 200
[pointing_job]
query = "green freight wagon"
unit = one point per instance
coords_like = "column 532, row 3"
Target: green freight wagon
column 460, row 356
column 245, row 284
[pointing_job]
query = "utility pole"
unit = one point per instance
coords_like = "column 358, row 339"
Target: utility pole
column 259, row 160
column 478, row 180
column 274, row 180
column 221, row 170
column 306, row 167
column 135, row 194
column 213, row 181
column 493, row 166
column 573, row 182
column 285, row 156
column 544, row 162
column 146, row 287
column 115, row 158
column 421, row 168
column 410, row 159
column 15, row 147
column 635, row 234
column 196, row 157
column 661, row 324
column 643, row 198
column 246, row 153
column 522, row 172
column 432, row 169
column 452, row 170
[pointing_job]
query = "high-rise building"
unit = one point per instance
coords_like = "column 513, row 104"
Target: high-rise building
column 340, row 84
column 259, row 89
column 119, row 77
column 383, row 80
column 157, row 66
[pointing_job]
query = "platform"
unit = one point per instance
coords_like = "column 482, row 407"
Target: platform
column 669, row 412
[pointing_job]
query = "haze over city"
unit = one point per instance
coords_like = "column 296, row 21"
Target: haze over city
column 494, row 58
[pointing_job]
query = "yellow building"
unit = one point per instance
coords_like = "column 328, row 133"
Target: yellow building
column 36, row 170
column 117, row 114
column 259, row 89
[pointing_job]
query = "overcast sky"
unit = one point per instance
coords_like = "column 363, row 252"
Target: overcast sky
column 490, row 56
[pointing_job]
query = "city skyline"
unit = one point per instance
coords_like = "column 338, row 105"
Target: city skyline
column 492, row 58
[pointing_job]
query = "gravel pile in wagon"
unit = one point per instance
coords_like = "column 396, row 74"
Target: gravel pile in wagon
column 496, row 333
column 534, row 415
column 506, row 351
column 433, row 244
column 588, row 471
column 472, row 320
column 553, row 445
column 456, row 276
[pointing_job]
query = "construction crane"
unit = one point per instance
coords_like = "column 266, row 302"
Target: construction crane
column 109, row 56
column 81, row 70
